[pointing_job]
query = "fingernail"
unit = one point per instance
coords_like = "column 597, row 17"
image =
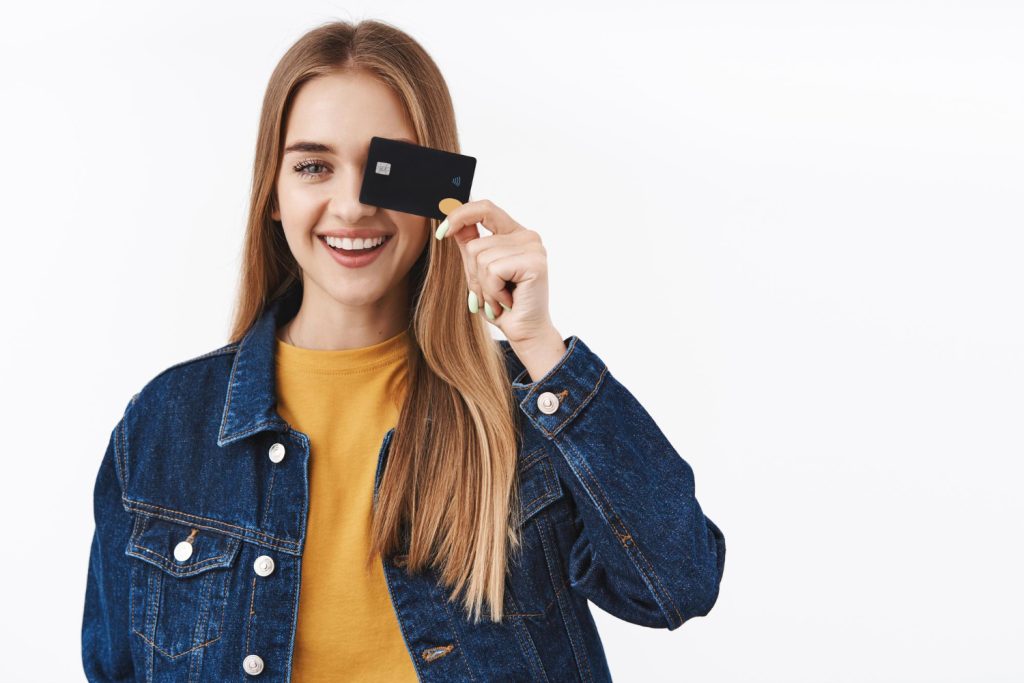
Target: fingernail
column 441, row 229
column 488, row 311
column 507, row 308
column 474, row 306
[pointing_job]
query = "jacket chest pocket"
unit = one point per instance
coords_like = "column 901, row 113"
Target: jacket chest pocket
column 532, row 587
column 179, row 585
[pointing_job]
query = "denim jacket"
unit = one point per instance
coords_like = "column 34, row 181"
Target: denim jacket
column 200, row 510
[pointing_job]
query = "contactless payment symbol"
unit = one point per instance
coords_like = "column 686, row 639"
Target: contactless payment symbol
column 383, row 168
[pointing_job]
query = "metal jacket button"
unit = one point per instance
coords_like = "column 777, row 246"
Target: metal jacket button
column 253, row 665
column 277, row 452
column 264, row 565
column 547, row 402
column 183, row 551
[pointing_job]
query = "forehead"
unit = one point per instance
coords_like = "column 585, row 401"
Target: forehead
column 344, row 110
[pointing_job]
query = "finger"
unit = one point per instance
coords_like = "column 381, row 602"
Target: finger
column 470, row 244
column 483, row 211
column 461, row 224
column 496, row 269
column 467, row 235
column 494, row 296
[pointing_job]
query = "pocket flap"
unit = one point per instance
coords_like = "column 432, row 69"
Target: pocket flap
column 538, row 483
column 154, row 540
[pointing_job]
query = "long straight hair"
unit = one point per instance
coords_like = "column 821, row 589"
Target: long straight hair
column 449, row 488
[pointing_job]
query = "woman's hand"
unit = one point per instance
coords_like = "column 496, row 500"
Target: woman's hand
column 507, row 273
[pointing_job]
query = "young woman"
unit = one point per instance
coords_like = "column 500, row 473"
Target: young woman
column 363, row 484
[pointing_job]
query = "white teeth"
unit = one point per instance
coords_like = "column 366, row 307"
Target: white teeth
column 353, row 245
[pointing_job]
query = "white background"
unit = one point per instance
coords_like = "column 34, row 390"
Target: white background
column 792, row 229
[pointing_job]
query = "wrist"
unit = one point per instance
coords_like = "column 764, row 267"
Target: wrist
column 539, row 354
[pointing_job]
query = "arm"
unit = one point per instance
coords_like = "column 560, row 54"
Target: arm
column 645, row 552
column 106, row 655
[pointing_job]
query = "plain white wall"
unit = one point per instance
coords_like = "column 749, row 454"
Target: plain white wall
column 792, row 229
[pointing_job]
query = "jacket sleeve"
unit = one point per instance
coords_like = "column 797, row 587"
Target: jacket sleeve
column 644, row 550
column 106, row 655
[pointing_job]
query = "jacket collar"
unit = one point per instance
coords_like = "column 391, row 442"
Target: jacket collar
column 250, row 405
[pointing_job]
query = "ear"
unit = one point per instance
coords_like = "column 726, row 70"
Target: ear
column 275, row 213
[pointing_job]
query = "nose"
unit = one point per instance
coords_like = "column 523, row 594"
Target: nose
column 344, row 202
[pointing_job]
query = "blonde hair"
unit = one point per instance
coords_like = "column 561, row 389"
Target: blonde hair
column 451, row 469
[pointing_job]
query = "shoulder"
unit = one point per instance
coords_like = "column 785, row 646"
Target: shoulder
column 198, row 378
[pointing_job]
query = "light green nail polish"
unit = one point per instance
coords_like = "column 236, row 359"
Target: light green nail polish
column 488, row 311
column 474, row 306
column 507, row 308
column 441, row 229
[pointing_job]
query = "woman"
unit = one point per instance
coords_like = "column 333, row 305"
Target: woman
column 363, row 484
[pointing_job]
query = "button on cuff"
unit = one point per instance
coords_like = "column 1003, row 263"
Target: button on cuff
column 555, row 399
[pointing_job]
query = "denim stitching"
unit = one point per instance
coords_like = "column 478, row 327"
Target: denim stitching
column 531, row 458
column 584, row 402
column 615, row 521
column 221, row 351
column 122, row 475
column 545, row 609
column 526, row 643
column 200, row 628
column 295, row 613
column 626, row 539
column 252, row 613
column 227, row 404
column 612, row 518
column 167, row 654
column 276, row 543
column 152, row 623
column 255, row 428
column 270, row 492
column 137, row 528
column 556, row 576
column 455, row 634
column 173, row 567
column 153, row 595
column 221, row 602
column 304, row 513
column 401, row 625
column 121, row 445
column 552, row 492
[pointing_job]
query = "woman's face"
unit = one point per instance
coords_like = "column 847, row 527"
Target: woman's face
column 331, row 122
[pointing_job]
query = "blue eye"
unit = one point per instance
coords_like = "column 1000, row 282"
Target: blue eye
column 302, row 166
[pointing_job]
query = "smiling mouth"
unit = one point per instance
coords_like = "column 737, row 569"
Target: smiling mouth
column 356, row 252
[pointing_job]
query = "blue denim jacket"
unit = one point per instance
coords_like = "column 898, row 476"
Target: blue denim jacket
column 193, row 498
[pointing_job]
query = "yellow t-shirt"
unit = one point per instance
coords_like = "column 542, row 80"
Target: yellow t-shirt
column 345, row 402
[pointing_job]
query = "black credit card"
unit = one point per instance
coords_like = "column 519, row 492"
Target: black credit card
column 415, row 179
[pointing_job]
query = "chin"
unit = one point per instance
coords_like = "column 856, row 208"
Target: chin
column 355, row 294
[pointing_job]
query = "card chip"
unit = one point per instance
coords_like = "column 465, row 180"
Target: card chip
column 383, row 168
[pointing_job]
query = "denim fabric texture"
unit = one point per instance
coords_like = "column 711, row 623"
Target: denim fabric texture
column 188, row 498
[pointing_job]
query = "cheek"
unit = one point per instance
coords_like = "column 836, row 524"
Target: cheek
column 414, row 230
column 298, row 203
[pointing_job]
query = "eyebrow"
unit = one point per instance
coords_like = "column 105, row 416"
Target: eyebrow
column 313, row 147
